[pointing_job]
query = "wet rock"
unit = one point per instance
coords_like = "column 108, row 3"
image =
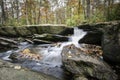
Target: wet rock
column 86, row 65
column 67, row 31
column 38, row 41
column 80, row 77
column 110, row 39
column 92, row 50
column 29, row 41
column 24, row 55
column 50, row 37
column 8, row 40
column 92, row 37
column 8, row 43
column 111, row 44
column 9, row 72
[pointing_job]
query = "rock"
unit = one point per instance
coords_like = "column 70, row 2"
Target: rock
column 29, row 41
column 17, row 67
column 9, row 73
column 8, row 40
column 22, row 31
column 50, row 37
column 27, row 30
column 111, row 44
column 8, row 43
column 67, row 31
column 110, row 39
column 24, row 55
column 92, row 37
column 9, row 30
column 87, row 65
column 50, row 28
column 2, row 31
column 92, row 50
column 80, row 77
column 38, row 41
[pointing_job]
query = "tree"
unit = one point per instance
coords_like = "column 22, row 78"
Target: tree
column 73, row 12
column 3, row 15
column 88, row 9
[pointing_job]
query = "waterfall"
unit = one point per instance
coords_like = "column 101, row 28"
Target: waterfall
column 78, row 34
column 52, row 55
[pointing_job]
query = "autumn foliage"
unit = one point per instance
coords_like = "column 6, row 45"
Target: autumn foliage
column 70, row 12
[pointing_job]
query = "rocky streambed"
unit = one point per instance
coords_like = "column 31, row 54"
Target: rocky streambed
column 10, row 71
column 60, row 56
column 84, row 63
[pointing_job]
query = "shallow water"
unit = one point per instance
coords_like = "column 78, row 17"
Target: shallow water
column 51, row 62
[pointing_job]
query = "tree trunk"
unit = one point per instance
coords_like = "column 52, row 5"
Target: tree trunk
column 84, row 9
column 108, row 10
column 3, row 15
column 88, row 9
column 26, row 12
column 105, row 13
column 17, row 10
column 79, row 2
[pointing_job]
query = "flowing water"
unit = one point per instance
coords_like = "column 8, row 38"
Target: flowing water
column 51, row 55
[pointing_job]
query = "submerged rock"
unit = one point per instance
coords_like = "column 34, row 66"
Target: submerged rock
column 86, row 65
column 25, row 54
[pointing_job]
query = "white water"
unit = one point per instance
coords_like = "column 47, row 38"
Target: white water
column 78, row 34
column 52, row 55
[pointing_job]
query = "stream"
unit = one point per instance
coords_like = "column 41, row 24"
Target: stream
column 51, row 62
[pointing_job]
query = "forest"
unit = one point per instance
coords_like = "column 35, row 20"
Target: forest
column 59, row 39
column 69, row 12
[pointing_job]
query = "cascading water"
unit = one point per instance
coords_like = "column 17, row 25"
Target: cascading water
column 52, row 55
column 78, row 34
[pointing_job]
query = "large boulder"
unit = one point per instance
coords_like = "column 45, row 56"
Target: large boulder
column 85, row 65
column 110, row 39
column 9, row 71
column 111, row 43
column 67, row 31
column 92, row 37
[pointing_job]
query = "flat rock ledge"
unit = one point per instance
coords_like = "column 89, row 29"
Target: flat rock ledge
column 9, row 71
column 27, row 30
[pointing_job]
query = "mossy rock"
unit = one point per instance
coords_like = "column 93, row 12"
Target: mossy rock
column 22, row 31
